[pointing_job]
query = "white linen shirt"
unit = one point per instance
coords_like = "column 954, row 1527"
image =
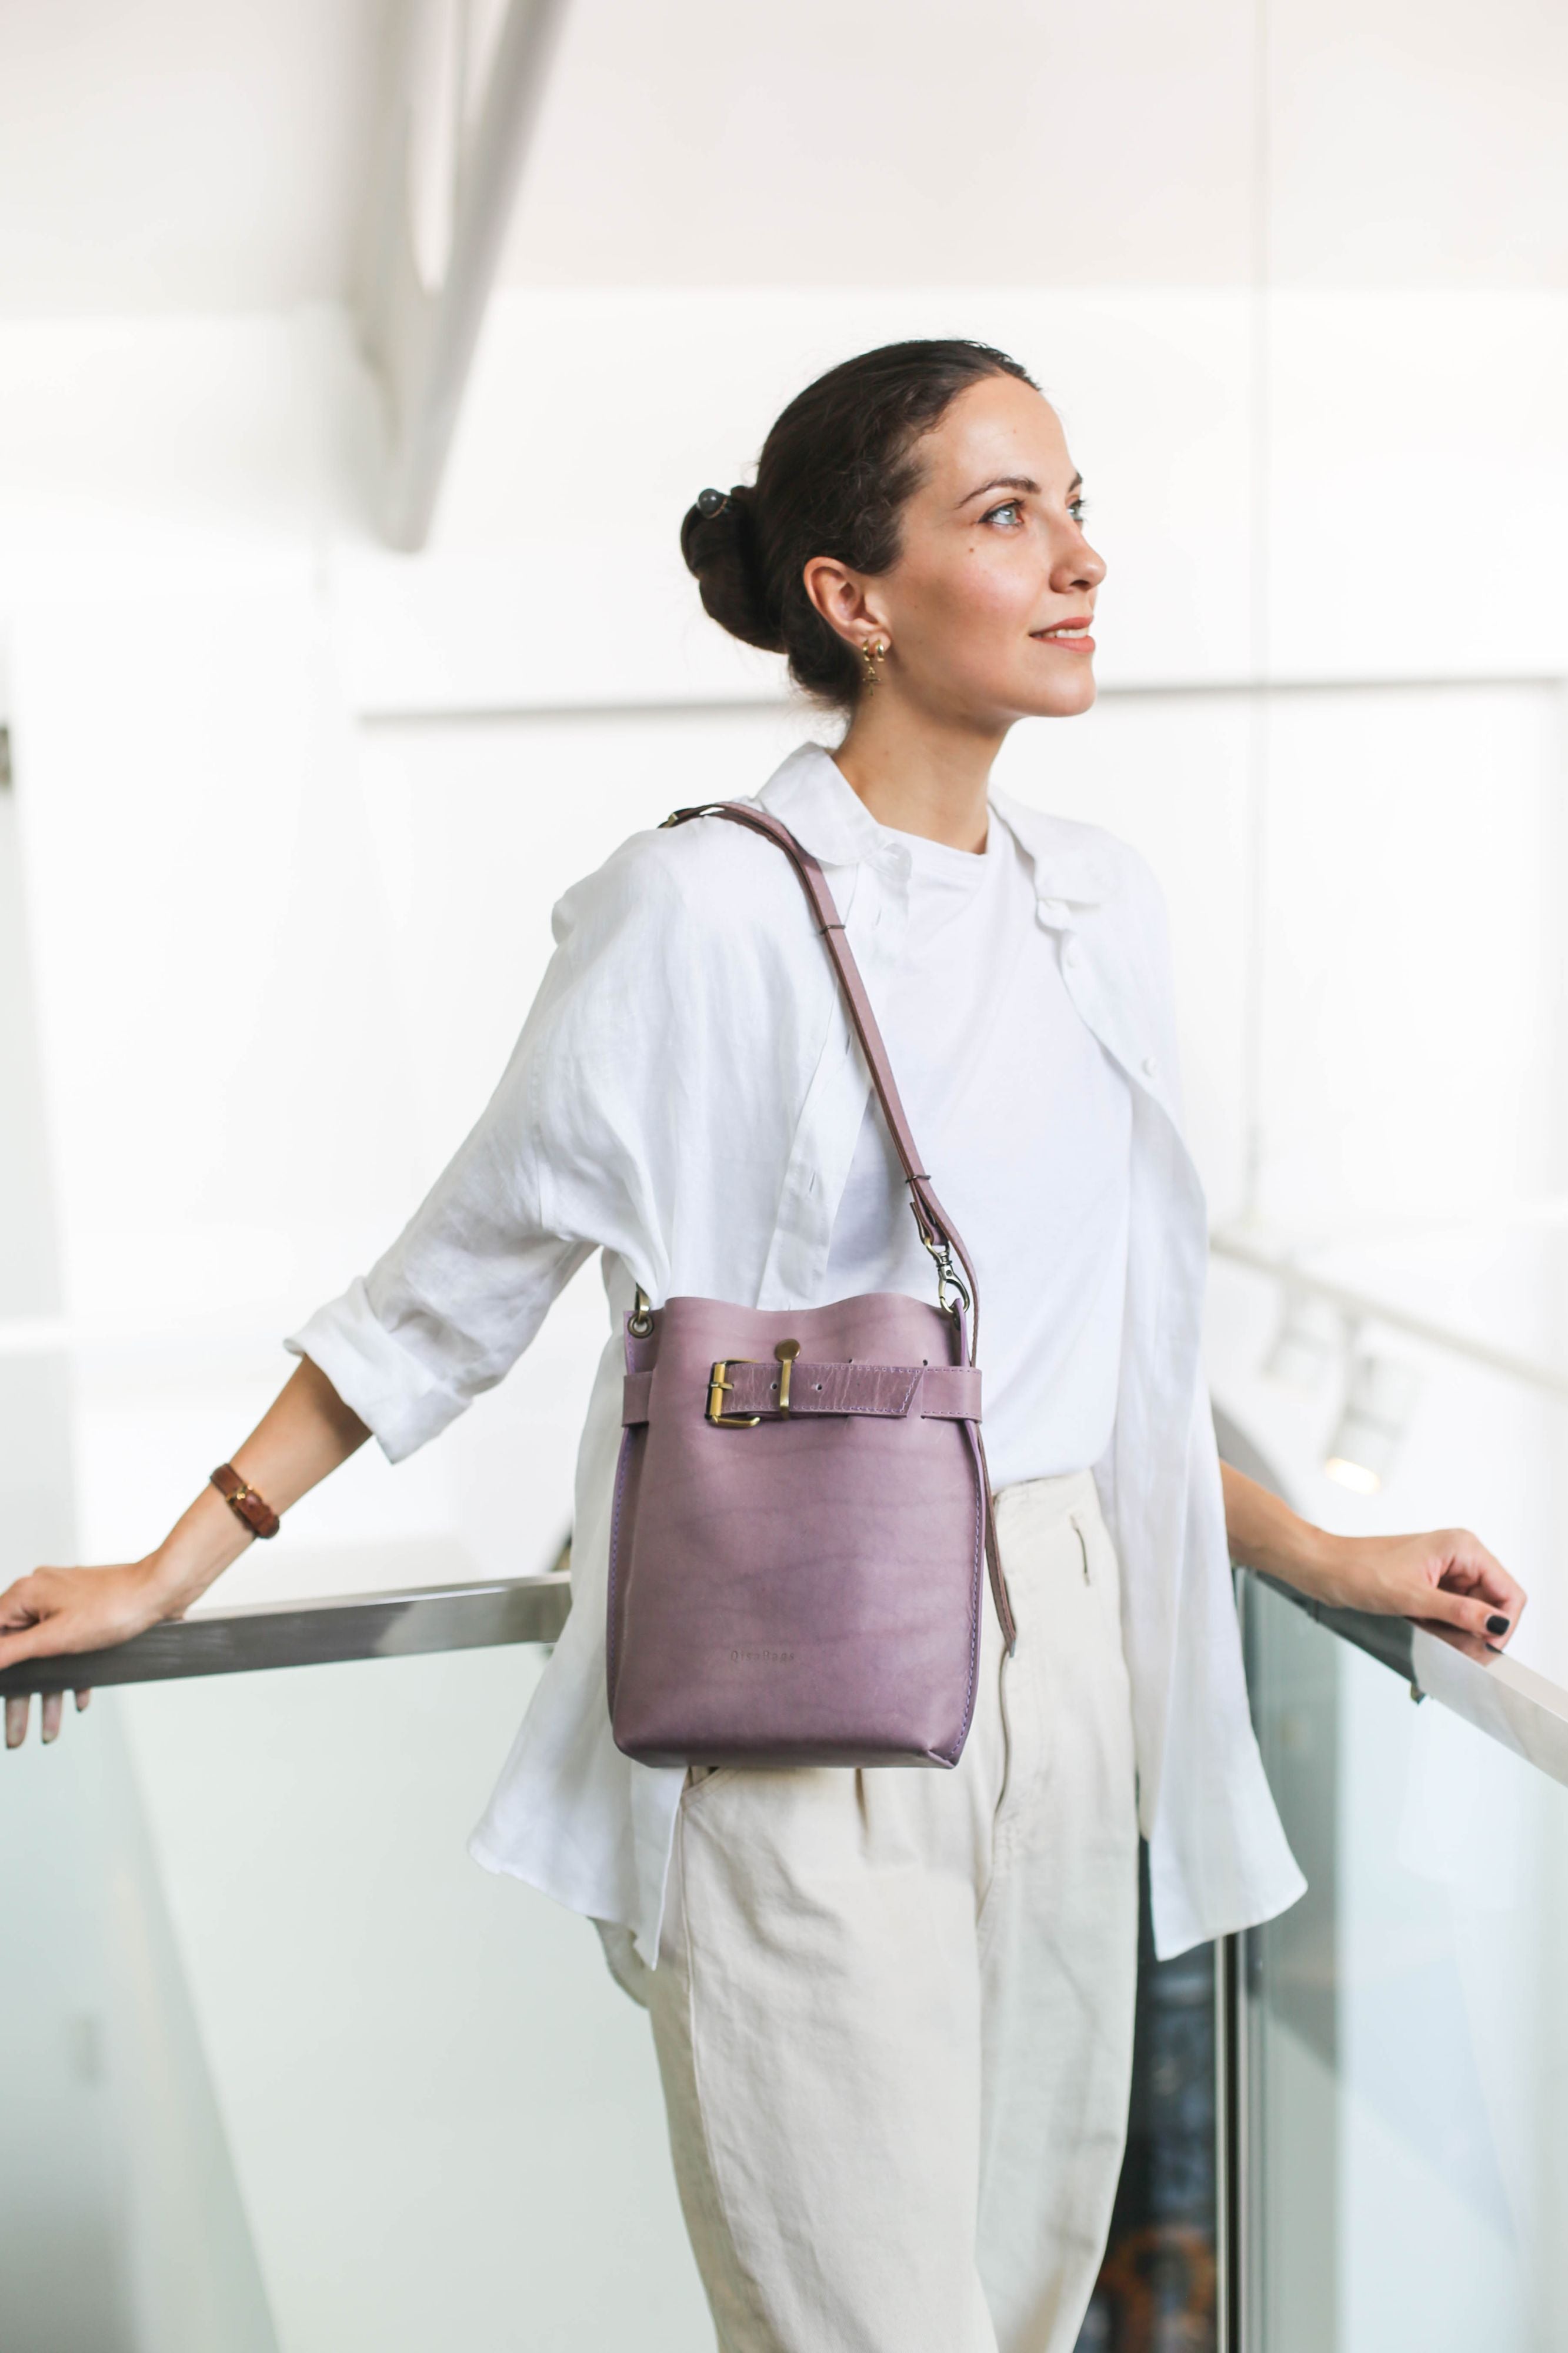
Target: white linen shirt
column 685, row 1097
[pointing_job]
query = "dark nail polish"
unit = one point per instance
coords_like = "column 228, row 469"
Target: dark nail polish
column 1495, row 1625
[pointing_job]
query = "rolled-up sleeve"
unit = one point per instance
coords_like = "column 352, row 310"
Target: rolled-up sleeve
column 397, row 1400
column 445, row 1311
column 555, row 1166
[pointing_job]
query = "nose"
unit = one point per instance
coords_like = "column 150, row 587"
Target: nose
column 1076, row 564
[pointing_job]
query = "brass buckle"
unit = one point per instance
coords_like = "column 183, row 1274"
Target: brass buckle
column 784, row 1355
column 717, row 1385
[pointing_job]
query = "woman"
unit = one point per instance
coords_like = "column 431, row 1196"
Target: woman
column 893, row 2010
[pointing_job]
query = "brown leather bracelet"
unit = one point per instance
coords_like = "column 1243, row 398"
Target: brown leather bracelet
column 245, row 1503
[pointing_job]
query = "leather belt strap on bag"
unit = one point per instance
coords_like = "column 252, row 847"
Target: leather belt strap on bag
column 935, row 1392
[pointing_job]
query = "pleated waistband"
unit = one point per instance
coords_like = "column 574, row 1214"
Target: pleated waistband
column 1044, row 1501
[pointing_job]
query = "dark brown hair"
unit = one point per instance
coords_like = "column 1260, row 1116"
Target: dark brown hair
column 834, row 474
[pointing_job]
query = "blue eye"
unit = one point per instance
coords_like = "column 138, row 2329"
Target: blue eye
column 1078, row 508
column 1009, row 506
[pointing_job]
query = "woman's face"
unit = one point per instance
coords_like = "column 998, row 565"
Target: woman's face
column 985, row 611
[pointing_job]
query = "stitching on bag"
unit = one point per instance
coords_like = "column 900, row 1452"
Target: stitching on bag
column 612, row 1622
column 976, row 1603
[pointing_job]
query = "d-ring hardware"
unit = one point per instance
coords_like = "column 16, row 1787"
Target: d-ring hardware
column 717, row 1385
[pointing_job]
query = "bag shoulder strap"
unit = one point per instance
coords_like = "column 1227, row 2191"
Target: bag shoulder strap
column 937, row 1230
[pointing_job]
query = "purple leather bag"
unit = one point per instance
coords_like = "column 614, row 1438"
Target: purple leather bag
column 802, row 1514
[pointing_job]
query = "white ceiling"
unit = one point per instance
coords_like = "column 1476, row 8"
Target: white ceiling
column 1416, row 143
column 182, row 154
column 892, row 141
column 213, row 154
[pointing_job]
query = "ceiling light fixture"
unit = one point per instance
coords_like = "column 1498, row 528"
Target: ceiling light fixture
column 1310, row 1337
column 1379, row 1396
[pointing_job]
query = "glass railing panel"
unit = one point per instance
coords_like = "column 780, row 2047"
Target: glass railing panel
column 123, row 2227
column 1407, row 2055
column 376, row 2096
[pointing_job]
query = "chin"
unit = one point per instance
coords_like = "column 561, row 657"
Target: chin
column 1067, row 698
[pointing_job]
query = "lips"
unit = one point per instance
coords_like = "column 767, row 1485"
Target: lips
column 1068, row 633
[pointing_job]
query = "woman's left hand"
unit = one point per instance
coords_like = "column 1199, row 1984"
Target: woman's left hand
column 1446, row 1578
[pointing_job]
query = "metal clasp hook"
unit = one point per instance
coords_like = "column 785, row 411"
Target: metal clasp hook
column 946, row 1272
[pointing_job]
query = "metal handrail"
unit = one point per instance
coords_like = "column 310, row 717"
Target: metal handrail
column 314, row 1633
column 1511, row 1702
column 1390, row 1641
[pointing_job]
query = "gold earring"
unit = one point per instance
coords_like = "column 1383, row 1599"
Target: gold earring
column 871, row 655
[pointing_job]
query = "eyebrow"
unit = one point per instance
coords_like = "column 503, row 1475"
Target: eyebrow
column 1014, row 483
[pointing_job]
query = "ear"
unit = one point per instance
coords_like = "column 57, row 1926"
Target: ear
column 846, row 600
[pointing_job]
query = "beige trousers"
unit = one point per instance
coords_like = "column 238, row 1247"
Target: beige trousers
column 893, row 2009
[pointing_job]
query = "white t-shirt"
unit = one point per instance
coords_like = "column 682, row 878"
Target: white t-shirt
column 1025, row 1126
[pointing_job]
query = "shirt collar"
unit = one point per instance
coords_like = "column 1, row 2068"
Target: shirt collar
column 1070, row 867
column 812, row 796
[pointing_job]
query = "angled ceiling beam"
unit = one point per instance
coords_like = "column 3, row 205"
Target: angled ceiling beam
column 421, row 336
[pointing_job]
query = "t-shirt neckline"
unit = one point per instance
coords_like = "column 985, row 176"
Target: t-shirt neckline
column 941, row 861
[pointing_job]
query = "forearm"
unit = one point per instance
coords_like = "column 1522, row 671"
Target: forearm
column 1265, row 1533
column 306, row 1433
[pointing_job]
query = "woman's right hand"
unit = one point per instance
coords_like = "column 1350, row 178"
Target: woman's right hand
column 306, row 1432
column 55, row 1611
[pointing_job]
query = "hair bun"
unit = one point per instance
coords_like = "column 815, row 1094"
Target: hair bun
column 718, row 541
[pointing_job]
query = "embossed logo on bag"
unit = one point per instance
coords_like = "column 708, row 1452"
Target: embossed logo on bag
column 763, row 1658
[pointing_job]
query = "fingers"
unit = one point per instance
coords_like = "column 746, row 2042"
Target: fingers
column 1503, row 1593
column 1475, row 1575
column 30, row 1642
column 19, row 1603
column 51, row 1708
column 1475, row 1614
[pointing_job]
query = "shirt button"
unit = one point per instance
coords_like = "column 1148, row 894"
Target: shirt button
column 1150, row 1066
column 1071, row 954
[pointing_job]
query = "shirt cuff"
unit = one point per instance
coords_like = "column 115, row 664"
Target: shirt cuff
column 398, row 1402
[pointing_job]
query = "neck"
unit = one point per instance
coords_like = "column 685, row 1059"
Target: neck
column 920, row 774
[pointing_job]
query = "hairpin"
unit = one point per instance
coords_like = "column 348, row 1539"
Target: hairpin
column 711, row 502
